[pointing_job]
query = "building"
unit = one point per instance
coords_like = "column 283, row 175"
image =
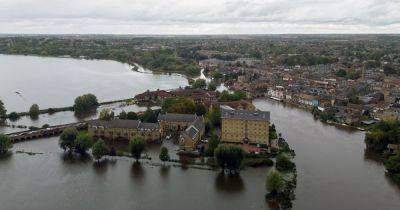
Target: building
column 124, row 130
column 192, row 135
column 152, row 96
column 175, row 123
column 243, row 126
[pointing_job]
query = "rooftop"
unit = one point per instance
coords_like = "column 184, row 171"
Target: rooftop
column 177, row 117
column 245, row 115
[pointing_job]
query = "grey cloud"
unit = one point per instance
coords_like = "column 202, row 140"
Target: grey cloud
column 42, row 16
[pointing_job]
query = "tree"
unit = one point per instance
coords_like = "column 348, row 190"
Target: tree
column 123, row 115
column 200, row 109
column 149, row 116
column 164, row 156
column 67, row 138
column 212, row 86
column 13, row 116
column 5, row 144
column 83, row 143
column 99, row 149
column 3, row 111
column 136, row 147
column 212, row 145
column 274, row 183
column 393, row 164
column 179, row 105
column 34, row 111
column 131, row 116
column 229, row 156
column 199, row 83
column 284, row 163
column 214, row 117
column 85, row 103
column 106, row 114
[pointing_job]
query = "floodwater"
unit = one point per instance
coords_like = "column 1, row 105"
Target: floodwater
column 333, row 170
column 56, row 82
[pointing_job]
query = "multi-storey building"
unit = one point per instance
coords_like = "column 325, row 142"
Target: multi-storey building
column 243, row 126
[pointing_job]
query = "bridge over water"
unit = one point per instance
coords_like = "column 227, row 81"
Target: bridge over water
column 44, row 132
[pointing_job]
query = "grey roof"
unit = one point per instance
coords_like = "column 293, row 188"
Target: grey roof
column 149, row 125
column 177, row 117
column 245, row 115
column 115, row 123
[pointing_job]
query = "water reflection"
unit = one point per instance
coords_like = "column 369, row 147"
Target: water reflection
column 164, row 171
column 6, row 156
column 230, row 183
column 100, row 167
column 71, row 158
column 137, row 171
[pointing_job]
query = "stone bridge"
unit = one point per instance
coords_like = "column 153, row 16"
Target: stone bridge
column 44, row 132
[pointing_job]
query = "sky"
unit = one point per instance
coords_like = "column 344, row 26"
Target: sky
column 199, row 16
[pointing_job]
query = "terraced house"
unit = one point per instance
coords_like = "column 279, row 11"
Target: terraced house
column 124, row 130
column 244, row 126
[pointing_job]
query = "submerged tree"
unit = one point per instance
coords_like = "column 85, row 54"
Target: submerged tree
column 3, row 111
column 274, row 183
column 83, row 143
column 136, row 147
column 67, row 138
column 229, row 157
column 34, row 111
column 85, row 103
column 5, row 144
column 164, row 156
column 99, row 149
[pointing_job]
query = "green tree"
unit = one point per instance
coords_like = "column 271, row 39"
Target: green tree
column 274, row 183
column 393, row 164
column 13, row 116
column 5, row 144
column 199, row 83
column 164, row 156
column 83, row 143
column 106, row 114
column 136, row 147
column 212, row 145
column 3, row 111
column 149, row 116
column 132, row 116
column 67, row 138
column 179, row 105
column 284, row 163
column 200, row 109
column 229, row 157
column 85, row 103
column 123, row 115
column 34, row 111
column 212, row 86
column 214, row 117
column 99, row 149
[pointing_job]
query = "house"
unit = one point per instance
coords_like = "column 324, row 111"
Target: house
column 152, row 96
column 175, row 123
column 192, row 135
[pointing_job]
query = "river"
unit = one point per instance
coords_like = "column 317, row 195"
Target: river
column 333, row 170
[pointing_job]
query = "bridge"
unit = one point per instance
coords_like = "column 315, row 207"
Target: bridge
column 44, row 132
